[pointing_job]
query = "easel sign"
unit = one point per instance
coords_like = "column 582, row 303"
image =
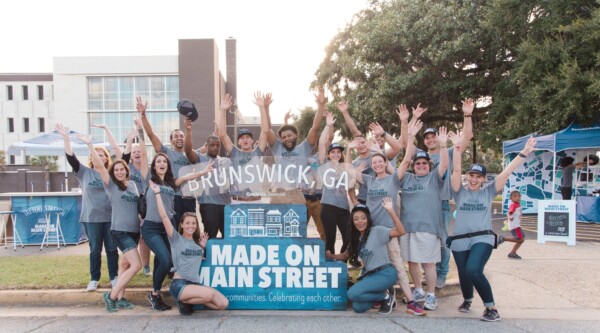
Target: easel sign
column 556, row 221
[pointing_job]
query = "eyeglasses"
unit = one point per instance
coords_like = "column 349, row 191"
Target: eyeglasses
column 421, row 163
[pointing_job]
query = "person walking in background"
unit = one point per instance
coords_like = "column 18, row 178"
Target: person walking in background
column 95, row 211
column 514, row 224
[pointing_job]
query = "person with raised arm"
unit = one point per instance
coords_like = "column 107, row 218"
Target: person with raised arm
column 95, row 211
column 177, row 158
column 473, row 239
column 111, row 140
column 188, row 247
column 383, row 185
column 369, row 241
column 123, row 195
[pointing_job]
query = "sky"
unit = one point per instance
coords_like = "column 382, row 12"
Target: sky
column 280, row 44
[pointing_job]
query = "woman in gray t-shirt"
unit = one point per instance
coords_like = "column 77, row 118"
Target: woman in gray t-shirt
column 376, row 282
column 187, row 248
column 473, row 215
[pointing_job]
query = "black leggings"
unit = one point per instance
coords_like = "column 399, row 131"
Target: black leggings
column 333, row 217
column 566, row 192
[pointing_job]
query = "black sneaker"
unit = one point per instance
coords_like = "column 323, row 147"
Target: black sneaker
column 185, row 309
column 490, row 315
column 500, row 239
column 387, row 304
column 157, row 303
column 465, row 307
column 514, row 256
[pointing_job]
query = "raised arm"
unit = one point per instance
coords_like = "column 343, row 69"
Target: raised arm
column 395, row 145
column 226, row 103
column 143, row 151
column 187, row 142
column 111, row 140
column 403, row 116
column 194, row 175
column 343, row 107
column 467, row 109
column 414, row 126
column 271, row 137
column 265, row 125
column 161, row 210
column 141, row 109
column 456, row 177
column 96, row 161
column 311, row 137
column 389, row 207
column 64, row 132
column 444, row 157
column 326, row 137
column 514, row 164
column 286, row 117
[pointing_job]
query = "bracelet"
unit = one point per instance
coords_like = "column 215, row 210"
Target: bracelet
column 156, row 193
column 443, row 146
column 522, row 155
column 467, row 116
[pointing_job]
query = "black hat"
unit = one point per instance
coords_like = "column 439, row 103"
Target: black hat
column 335, row 146
column 362, row 207
column 245, row 131
column 430, row 130
column 477, row 168
column 421, row 154
column 187, row 109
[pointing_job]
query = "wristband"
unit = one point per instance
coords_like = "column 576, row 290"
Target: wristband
column 522, row 155
column 467, row 116
column 156, row 193
column 444, row 146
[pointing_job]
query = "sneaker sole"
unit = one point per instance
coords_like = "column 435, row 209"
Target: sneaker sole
column 419, row 314
column 464, row 311
column 490, row 320
column 429, row 308
column 390, row 310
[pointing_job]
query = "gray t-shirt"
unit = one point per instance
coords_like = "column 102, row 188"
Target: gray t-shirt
column 388, row 186
column 246, row 162
column 374, row 253
column 187, row 257
column 473, row 213
column 291, row 161
column 421, row 205
column 215, row 191
column 167, row 195
column 95, row 206
column 124, row 207
column 135, row 175
column 362, row 188
column 435, row 158
column 177, row 160
column 334, row 191
column 567, row 176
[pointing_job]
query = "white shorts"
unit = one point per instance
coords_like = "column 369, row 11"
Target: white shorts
column 420, row 247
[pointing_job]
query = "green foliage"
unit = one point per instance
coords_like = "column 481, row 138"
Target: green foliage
column 45, row 161
column 2, row 159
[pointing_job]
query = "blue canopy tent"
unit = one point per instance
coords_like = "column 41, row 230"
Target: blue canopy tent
column 537, row 178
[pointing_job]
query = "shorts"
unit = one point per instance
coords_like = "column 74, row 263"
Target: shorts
column 518, row 233
column 125, row 240
column 420, row 247
column 177, row 286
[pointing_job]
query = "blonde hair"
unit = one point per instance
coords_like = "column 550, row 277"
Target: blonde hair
column 106, row 153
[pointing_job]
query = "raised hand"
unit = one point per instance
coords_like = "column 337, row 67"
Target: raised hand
column 418, row 112
column 414, row 126
column 187, row 123
column 442, row 136
column 131, row 134
column 329, row 118
column 376, row 129
column 353, row 144
column 530, row 145
column 141, row 106
column 268, row 99
column 87, row 139
column 137, row 122
column 456, row 138
column 209, row 166
column 361, row 167
column 154, row 187
column 320, row 96
column 342, row 106
column 226, row 102
column 203, row 238
column 402, row 113
column 102, row 126
column 468, row 106
column 63, row 131
column 287, row 116
column 387, row 204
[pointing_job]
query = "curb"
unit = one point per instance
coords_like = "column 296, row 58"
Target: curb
column 137, row 296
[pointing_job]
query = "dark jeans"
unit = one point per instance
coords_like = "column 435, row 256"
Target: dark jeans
column 182, row 205
column 332, row 217
column 213, row 217
column 371, row 289
column 98, row 235
column 155, row 236
column 470, row 266
column 566, row 192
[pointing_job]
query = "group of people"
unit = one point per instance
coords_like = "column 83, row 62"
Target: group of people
column 387, row 216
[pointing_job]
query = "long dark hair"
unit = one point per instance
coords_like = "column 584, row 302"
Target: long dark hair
column 355, row 242
column 196, row 234
column 169, row 179
column 111, row 171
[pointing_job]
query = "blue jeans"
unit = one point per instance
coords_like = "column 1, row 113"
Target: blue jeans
column 371, row 289
column 442, row 267
column 470, row 266
column 98, row 235
column 155, row 236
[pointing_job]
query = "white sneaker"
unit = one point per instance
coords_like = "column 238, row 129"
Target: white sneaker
column 147, row 271
column 113, row 282
column 431, row 302
column 92, row 286
column 418, row 296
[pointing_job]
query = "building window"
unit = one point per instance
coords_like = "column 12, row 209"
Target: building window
column 25, row 125
column 41, row 125
column 11, row 125
column 9, row 93
column 163, row 122
column 40, row 90
column 25, row 93
column 117, row 93
column 12, row 159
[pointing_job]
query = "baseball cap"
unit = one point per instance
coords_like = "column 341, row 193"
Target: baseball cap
column 362, row 207
column 430, row 130
column 245, row 131
column 477, row 168
column 421, row 154
column 187, row 109
column 335, row 146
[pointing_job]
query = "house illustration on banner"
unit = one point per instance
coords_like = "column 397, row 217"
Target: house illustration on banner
column 259, row 222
